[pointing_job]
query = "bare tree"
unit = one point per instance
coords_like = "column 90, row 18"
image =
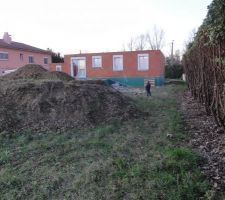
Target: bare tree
column 131, row 44
column 156, row 38
column 123, row 47
column 177, row 56
column 191, row 37
column 140, row 42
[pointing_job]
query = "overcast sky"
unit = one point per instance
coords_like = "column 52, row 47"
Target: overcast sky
column 69, row 26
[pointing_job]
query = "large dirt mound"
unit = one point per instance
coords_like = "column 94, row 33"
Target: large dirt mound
column 41, row 105
column 36, row 72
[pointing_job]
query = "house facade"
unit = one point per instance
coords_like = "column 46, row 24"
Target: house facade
column 14, row 55
column 131, row 68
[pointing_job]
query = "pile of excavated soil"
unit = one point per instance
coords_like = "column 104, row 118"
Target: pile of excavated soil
column 30, row 101
column 36, row 72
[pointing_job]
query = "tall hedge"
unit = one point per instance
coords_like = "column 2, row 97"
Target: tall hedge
column 204, row 62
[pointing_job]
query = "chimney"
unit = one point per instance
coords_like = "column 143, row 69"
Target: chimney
column 7, row 38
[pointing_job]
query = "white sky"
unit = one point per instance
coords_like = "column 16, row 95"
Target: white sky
column 69, row 26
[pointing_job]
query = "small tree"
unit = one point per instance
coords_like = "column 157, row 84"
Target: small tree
column 156, row 38
column 131, row 44
column 124, row 47
column 174, row 71
column 56, row 57
column 140, row 42
column 191, row 38
column 177, row 57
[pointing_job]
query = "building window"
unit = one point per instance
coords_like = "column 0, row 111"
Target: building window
column 45, row 61
column 21, row 57
column 143, row 62
column 96, row 61
column 58, row 68
column 117, row 63
column 31, row 59
column 4, row 56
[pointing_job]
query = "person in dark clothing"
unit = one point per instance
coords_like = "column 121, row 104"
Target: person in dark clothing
column 148, row 88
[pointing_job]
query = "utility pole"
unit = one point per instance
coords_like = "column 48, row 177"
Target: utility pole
column 172, row 49
column 172, row 52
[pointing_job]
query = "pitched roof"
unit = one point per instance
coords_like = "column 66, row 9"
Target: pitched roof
column 21, row 46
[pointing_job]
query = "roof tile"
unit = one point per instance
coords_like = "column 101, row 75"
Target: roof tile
column 21, row 46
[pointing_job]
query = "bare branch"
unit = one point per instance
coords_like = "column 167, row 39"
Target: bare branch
column 191, row 37
column 155, row 38
column 140, row 42
column 131, row 44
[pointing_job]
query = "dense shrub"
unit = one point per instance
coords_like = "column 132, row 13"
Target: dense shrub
column 174, row 71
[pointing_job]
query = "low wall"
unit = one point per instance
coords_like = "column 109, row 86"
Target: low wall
column 136, row 81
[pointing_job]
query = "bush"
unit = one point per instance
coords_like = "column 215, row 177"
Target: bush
column 174, row 71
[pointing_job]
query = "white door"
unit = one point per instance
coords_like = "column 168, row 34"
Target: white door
column 78, row 67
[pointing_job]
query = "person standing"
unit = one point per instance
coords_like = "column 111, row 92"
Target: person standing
column 148, row 88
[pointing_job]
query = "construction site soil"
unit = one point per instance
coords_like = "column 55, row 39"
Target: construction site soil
column 32, row 98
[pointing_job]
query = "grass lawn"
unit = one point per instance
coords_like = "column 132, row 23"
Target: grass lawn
column 133, row 160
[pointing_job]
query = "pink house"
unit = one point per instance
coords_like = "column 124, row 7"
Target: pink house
column 14, row 55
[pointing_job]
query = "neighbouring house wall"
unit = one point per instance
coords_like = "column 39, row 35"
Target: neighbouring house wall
column 65, row 67
column 52, row 67
column 15, row 62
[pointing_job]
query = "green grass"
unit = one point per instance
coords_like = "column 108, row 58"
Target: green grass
column 133, row 160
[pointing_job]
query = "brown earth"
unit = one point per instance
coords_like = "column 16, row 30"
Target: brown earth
column 36, row 72
column 32, row 98
column 207, row 138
